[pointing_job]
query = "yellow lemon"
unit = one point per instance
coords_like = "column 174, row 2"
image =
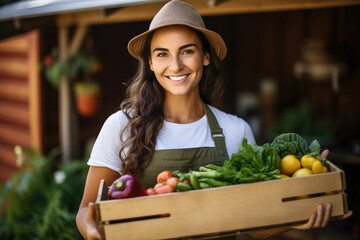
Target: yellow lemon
column 318, row 157
column 307, row 161
column 284, row 176
column 318, row 167
column 302, row 172
column 289, row 164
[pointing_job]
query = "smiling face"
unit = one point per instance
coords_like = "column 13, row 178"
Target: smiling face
column 177, row 60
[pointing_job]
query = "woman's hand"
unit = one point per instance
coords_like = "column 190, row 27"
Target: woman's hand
column 320, row 218
column 322, row 215
column 91, row 227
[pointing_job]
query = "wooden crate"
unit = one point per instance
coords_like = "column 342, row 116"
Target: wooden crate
column 220, row 211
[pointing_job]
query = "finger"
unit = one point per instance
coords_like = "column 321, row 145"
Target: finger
column 319, row 216
column 325, row 153
column 90, row 216
column 348, row 214
column 327, row 215
column 92, row 231
column 307, row 225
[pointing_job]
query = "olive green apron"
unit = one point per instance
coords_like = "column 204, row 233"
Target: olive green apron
column 187, row 159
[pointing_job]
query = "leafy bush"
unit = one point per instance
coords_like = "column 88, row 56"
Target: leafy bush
column 36, row 205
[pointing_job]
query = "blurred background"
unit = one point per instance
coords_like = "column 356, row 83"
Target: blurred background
column 292, row 66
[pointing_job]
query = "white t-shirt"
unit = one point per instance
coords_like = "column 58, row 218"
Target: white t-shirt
column 105, row 152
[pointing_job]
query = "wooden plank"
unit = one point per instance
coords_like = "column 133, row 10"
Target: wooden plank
column 35, row 119
column 14, row 90
column 255, row 205
column 7, row 156
column 14, row 45
column 14, row 112
column 16, row 67
column 13, row 135
column 147, row 11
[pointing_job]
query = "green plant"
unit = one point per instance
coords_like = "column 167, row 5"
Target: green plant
column 36, row 205
column 87, row 87
column 76, row 66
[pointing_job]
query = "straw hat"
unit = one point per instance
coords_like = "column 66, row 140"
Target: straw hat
column 178, row 13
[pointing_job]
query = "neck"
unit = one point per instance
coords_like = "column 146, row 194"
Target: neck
column 178, row 109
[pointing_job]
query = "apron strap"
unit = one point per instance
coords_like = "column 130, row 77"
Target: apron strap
column 216, row 131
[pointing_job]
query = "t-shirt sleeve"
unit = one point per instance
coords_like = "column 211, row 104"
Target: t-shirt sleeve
column 105, row 152
column 248, row 133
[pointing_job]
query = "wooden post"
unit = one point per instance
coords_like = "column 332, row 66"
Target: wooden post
column 64, row 100
column 67, row 115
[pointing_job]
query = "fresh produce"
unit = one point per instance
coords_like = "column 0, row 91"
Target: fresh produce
column 150, row 191
column 126, row 186
column 166, row 183
column 287, row 156
column 289, row 164
column 318, row 167
column 163, row 176
column 164, row 188
column 251, row 164
column 307, row 161
column 302, row 172
column 294, row 144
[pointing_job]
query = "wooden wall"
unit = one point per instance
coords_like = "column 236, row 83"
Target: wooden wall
column 20, row 98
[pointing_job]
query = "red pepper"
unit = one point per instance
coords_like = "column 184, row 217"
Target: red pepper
column 126, row 186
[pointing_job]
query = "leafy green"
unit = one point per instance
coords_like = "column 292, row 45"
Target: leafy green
column 39, row 207
column 252, row 163
column 294, row 144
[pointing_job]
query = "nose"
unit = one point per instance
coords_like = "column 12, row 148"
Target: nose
column 176, row 64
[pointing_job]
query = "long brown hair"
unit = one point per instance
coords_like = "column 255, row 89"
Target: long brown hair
column 143, row 107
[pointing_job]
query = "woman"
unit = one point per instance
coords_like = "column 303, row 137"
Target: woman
column 165, row 123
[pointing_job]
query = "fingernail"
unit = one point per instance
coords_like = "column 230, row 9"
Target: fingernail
column 320, row 207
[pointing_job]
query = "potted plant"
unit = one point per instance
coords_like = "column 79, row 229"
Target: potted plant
column 87, row 96
column 78, row 69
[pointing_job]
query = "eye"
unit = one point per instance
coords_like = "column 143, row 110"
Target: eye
column 188, row 51
column 161, row 54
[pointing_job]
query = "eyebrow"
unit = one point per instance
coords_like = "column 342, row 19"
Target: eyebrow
column 180, row 48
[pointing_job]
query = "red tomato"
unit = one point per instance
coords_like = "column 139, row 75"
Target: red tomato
column 163, row 176
column 172, row 181
column 164, row 189
column 158, row 185
column 150, row 191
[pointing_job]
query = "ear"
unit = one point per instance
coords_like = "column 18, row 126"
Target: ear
column 151, row 65
column 206, row 60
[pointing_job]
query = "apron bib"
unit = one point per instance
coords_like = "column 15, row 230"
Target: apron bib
column 187, row 159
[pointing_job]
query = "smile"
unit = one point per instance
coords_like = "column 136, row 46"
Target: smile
column 178, row 78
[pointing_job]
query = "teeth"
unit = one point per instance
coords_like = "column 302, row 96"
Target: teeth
column 178, row 78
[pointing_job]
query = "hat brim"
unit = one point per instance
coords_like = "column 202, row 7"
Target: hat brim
column 137, row 44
